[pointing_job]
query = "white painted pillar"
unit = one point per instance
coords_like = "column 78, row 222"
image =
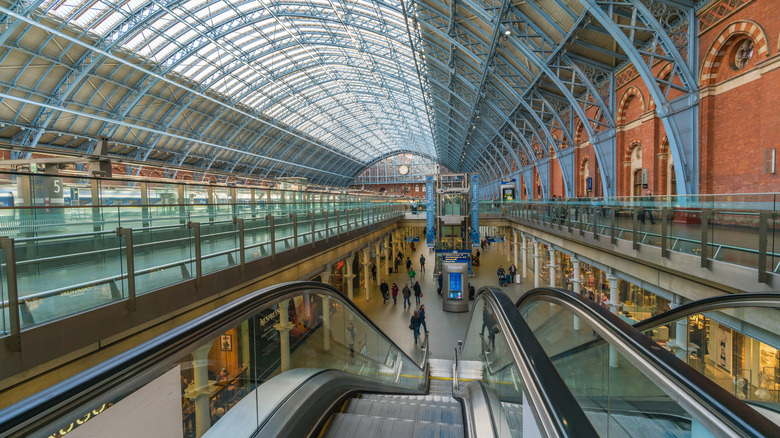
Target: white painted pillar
column 395, row 245
column 613, row 306
column 200, row 363
column 680, row 332
column 284, row 328
column 507, row 246
column 349, row 275
column 378, row 262
column 326, row 310
column 536, row 262
column 525, row 256
column 388, row 260
column 552, row 267
column 514, row 238
column 366, row 273
column 577, row 286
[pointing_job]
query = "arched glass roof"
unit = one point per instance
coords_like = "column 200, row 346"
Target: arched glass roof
column 323, row 89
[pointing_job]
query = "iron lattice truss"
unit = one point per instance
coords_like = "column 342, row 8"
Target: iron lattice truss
column 325, row 88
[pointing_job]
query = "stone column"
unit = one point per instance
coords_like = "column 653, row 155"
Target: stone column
column 395, row 245
column 349, row 275
column 507, row 247
column 525, row 256
column 200, row 385
column 577, row 285
column 326, row 309
column 613, row 307
column 366, row 263
column 536, row 262
column 680, row 332
column 284, row 328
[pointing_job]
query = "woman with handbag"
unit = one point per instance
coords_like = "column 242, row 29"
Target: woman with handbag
column 414, row 324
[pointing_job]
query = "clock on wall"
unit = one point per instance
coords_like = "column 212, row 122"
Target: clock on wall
column 403, row 169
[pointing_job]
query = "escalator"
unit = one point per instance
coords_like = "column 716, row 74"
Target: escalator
column 300, row 360
column 631, row 380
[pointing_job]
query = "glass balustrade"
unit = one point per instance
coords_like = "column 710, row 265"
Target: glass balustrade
column 243, row 372
column 618, row 398
column 741, row 229
column 72, row 259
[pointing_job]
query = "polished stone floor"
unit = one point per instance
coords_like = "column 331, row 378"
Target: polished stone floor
column 445, row 328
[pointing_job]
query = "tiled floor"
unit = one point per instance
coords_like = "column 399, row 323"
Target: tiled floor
column 445, row 328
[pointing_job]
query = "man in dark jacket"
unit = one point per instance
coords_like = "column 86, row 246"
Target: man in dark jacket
column 384, row 289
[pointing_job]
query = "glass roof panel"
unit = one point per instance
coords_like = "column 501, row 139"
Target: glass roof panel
column 317, row 65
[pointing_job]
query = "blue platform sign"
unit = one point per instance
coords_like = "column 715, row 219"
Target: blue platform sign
column 474, row 210
column 495, row 239
column 429, row 207
column 412, row 239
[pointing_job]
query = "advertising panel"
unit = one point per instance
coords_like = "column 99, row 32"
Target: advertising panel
column 429, row 235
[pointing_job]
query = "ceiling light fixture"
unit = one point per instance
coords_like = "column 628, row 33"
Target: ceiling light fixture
column 507, row 32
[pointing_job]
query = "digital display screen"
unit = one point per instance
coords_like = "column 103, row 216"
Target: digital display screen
column 455, row 285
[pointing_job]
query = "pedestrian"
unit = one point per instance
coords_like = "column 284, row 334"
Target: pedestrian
column 482, row 244
column 408, row 263
column 492, row 330
column 397, row 262
column 373, row 271
column 441, row 283
column 351, row 339
column 407, row 296
column 384, row 289
column 400, row 255
column 417, row 292
column 422, row 318
column 414, row 324
column 412, row 274
column 501, row 275
column 485, row 320
column 477, row 253
column 395, row 294
column 422, row 263
column 512, row 272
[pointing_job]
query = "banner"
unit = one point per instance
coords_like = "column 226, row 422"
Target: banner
column 429, row 200
column 474, row 210
column 495, row 239
column 412, row 239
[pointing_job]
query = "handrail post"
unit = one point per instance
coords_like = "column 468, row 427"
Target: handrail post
column 15, row 329
column 705, row 225
column 763, row 220
column 664, row 231
column 346, row 220
column 635, row 227
column 327, row 227
column 198, row 261
column 612, row 234
column 294, row 217
column 595, row 229
column 313, row 236
column 241, row 244
column 272, row 231
column 338, row 223
column 130, row 261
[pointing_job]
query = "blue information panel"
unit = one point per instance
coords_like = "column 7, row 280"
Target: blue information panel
column 494, row 239
column 429, row 206
column 475, row 210
column 412, row 239
column 456, row 286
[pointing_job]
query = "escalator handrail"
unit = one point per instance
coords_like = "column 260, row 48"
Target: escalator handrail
column 115, row 375
column 546, row 390
column 720, row 302
column 707, row 396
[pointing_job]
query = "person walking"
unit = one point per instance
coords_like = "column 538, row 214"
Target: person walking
column 422, row 318
column 407, row 296
column 351, row 336
column 512, row 273
column 485, row 321
column 412, row 274
column 384, row 289
column 415, row 325
column 408, row 263
column 395, row 294
column 396, row 263
column 417, row 292
column 501, row 275
column 373, row 272
column 422, row 264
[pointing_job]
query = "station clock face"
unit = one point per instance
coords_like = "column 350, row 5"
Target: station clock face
column 403, row 169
